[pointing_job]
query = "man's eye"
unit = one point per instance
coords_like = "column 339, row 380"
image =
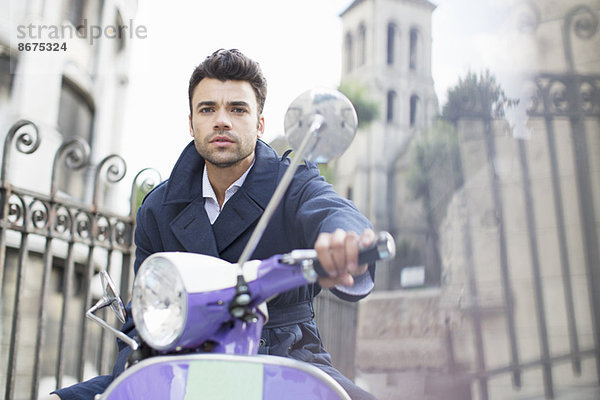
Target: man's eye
column 205, row 110
column 238, row 110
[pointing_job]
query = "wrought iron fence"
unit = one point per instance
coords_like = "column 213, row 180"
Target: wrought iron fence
column 50, row 249
column 559, row 97
column 567, row 107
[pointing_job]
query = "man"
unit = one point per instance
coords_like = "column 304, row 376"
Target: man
column 215, row 195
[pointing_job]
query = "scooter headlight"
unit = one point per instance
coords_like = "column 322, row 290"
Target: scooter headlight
column 159, row 303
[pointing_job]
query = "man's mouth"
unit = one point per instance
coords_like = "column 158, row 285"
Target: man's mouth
column 221, row 139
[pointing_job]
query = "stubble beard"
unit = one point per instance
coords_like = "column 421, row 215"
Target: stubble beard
column 224, row 162
column 224, row 158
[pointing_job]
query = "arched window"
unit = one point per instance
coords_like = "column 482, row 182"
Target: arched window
column 362, row 44
column 414, row 48
column 348, row 46
column 391, row 42
column 414, row 104
column 391, row 106
column 83, row 13
column 76, row 13
column 76, row 113
column 7, row 68
column 120, row 35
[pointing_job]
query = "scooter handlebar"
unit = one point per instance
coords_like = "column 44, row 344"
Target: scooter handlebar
column 382, row 248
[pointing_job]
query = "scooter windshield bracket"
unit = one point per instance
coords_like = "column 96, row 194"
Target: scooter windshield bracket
column 238, row 307
column 304, row 257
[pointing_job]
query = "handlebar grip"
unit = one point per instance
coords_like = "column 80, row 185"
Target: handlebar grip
column 382, row 248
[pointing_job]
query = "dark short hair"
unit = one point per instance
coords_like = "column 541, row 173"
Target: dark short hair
column 231, row 65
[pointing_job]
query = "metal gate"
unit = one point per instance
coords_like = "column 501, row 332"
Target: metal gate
column 50, row 249
column 565, row 110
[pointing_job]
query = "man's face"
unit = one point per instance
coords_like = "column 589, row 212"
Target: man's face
column 224, row 122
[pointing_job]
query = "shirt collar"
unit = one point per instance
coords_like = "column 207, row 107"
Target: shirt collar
column 208, row 191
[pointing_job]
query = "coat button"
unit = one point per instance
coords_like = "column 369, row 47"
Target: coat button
column 262, row 342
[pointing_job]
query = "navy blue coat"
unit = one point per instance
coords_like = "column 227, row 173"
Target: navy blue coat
column 173, row 218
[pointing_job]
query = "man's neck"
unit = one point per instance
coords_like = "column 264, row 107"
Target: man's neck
column 222, row 178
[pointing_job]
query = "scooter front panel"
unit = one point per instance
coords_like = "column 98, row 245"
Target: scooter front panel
column 220, row 376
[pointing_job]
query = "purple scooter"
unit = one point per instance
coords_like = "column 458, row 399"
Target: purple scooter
column 200, row 318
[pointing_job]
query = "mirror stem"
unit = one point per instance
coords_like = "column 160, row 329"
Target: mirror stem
column 104, row 302
column 309, row 141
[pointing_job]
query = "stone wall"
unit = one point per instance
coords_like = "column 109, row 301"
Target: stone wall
column 402, row 350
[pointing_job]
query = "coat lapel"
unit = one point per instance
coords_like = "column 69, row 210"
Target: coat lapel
column 191, row 226
column 236, row 218
column 193, row 230
column 246, row 206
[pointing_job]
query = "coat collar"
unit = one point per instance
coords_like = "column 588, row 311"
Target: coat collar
column 192, row 227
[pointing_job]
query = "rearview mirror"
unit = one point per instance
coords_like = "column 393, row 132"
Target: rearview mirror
column 111, row 299
column 336, row 129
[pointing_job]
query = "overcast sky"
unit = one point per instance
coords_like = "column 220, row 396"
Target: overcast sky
column 298, row 45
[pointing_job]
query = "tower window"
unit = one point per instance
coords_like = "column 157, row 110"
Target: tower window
column 362, row 44
column 348, row 45
column 391, row 106
column 414, row 104
column 391, row 42
column 414, row 48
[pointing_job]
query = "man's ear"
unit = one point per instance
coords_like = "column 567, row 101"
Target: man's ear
column 191, row 129
column 260, row 127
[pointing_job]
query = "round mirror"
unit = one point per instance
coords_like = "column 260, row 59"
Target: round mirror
column 336, row 131
column 111, row 295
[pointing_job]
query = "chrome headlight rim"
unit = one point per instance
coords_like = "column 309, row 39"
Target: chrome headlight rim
column 162, row 264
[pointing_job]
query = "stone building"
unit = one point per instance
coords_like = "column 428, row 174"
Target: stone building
column 78, row 88
column 64, row 67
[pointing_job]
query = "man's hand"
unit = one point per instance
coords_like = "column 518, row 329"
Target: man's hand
column 338, row 254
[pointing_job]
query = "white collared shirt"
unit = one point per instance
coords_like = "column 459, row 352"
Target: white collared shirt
column 211, row 205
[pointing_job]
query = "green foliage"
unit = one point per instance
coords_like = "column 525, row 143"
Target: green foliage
column 367, row 109
column 139, row 194
column 328, row 172
column 476, row 96
column 435, row 156
column 433, row 177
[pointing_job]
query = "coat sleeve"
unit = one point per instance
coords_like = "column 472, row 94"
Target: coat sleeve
column 146, row 237
column 85, row 390
column 316, row 208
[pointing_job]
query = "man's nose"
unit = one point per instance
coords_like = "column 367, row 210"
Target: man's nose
column 222, row 120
